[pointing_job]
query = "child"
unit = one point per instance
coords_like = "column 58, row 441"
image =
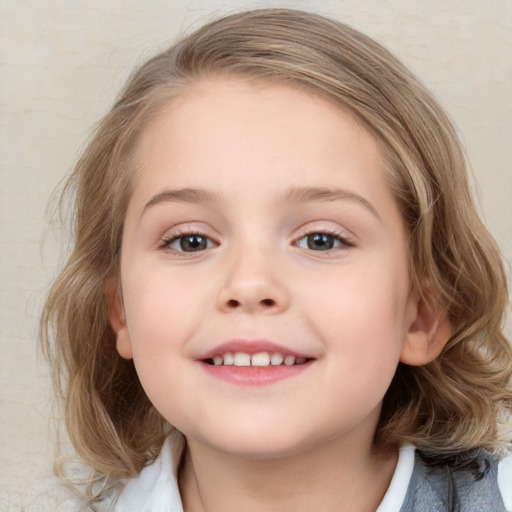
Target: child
column 281, row 296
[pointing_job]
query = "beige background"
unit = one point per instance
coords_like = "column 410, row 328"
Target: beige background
column 62, row 62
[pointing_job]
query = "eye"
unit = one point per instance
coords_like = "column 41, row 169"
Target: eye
column 321, row 241
column 191, row 242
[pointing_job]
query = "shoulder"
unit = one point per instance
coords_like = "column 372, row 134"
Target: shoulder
column 484, row 487
column 46, row 494
column 155, row 488
column 50, row 494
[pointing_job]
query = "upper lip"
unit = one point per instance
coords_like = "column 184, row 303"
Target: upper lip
column 250, row 346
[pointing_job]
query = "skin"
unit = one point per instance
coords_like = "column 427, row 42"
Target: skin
column 305, row 442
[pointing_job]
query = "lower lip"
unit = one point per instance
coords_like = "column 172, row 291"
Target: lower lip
column 254, row 375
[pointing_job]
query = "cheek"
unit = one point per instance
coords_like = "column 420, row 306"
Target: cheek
column 160, row 320
column 160, row 313
column 362, row 315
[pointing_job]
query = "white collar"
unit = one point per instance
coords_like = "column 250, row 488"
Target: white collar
column 505, row 480
column 395, row 495
column 155, row 489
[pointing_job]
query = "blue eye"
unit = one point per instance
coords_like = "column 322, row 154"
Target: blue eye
column 320, row 242
column 188, row 243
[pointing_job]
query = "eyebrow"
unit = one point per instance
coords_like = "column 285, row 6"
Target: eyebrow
column 183, row 195
column 319, row 194
column 294, row 195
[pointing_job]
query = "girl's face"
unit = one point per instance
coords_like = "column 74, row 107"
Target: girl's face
column 261, row 231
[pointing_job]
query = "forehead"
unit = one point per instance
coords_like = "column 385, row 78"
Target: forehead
column 235, row 129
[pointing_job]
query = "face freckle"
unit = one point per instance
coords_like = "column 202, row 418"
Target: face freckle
column 261, row 224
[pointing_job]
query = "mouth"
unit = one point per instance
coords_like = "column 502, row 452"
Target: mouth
column 259, row 359
column 254, row 362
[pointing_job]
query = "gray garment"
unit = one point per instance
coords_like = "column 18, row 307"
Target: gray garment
column 444, row 490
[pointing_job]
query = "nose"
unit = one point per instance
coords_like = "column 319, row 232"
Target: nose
column 253, row 284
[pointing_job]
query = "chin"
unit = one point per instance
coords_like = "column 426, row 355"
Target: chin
column 258, row 444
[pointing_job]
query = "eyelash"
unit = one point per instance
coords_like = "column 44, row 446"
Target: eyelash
column 344, row 242
column 167, row 242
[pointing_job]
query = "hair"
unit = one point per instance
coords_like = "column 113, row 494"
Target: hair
column 454, row 404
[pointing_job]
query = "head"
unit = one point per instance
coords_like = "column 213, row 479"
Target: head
column 445, row 403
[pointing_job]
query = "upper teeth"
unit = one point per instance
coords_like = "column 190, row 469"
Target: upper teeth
column 258, row 359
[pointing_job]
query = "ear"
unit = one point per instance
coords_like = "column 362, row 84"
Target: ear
column 117, row 318
column 429, row 329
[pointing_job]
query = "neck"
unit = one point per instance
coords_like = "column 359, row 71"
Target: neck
column 337, row 476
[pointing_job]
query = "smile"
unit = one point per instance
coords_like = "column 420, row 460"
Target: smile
column 259, row 359
column 255, row 362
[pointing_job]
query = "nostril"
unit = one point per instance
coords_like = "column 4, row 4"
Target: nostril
column 233, row 303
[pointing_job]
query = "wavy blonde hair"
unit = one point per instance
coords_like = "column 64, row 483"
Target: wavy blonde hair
column 451, row 405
